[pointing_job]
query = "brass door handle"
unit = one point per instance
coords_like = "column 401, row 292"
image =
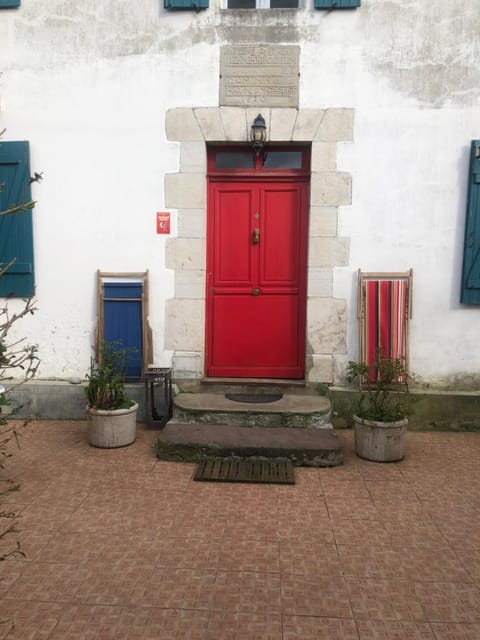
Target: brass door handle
column 255, row 291
column 256, row 236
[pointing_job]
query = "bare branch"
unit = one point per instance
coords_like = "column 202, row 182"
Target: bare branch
column 18, row 208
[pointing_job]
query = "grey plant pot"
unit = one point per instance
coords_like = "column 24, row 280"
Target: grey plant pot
column 110, row 429
column 380, row 441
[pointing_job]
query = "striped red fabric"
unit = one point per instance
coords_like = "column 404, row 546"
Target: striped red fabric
column 385, row 320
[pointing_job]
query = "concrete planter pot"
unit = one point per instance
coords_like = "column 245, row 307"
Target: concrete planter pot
column 380, row 441
column 110, row 429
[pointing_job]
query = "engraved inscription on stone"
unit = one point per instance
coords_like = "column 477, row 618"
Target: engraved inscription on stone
column 253, row 76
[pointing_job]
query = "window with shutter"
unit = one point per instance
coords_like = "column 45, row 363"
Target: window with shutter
column 16, row 232
column 470, row 293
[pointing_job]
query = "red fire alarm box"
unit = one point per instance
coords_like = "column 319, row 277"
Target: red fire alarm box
column 163, row 222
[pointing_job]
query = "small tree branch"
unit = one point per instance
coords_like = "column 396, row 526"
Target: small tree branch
column 18, row 208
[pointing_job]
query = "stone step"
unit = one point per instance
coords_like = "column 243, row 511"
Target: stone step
column 248, row 385
column 196, row 442
column 292, row 410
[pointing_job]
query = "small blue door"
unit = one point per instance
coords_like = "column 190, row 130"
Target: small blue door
column 123, row 321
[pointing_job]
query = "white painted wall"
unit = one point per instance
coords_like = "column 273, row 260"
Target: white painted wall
column 88, row 83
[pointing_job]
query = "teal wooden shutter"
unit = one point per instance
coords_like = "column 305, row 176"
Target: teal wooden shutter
column 470, row 293
column 185, row 4
column 16, row 233
column 9, row 3
column 336, row 4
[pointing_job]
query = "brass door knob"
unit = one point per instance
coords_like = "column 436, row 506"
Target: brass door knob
column 255, row 291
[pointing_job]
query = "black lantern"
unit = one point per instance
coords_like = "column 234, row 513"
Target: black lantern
column 258, row 133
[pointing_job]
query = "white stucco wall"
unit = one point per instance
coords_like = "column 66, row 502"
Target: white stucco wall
column 89, row 83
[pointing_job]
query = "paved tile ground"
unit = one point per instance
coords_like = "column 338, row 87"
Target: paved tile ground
column 122, row 546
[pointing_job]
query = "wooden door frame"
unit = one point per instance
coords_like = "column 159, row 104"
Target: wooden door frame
column 261, row 175
column 140, row 277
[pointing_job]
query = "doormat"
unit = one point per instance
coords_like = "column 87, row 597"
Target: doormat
column 254, row 397
column 231, row 470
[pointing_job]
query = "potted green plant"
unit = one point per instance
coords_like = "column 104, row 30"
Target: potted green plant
column 380, row 415
column 112, row 416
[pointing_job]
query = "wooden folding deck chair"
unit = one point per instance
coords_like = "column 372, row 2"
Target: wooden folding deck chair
column 384, row 309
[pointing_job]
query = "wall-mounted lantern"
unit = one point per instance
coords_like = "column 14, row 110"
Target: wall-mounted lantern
column 258, row 133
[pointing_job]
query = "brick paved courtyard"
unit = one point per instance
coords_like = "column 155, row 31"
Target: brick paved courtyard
column 121, row 546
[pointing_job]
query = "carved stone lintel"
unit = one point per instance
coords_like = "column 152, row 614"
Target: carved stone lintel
column 253, row 75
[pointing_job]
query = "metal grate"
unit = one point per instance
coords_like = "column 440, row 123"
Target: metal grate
column 234, row 470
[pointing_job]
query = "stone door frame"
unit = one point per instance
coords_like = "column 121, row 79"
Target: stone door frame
column 186, row 190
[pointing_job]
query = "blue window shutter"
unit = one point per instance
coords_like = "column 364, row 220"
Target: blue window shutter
column 123, row 321
column 16, row 231
column 185, row 4
column 9, row 3
column 471, row 253
column 336, row 4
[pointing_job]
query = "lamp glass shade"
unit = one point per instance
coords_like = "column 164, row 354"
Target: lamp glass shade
column 258, row 132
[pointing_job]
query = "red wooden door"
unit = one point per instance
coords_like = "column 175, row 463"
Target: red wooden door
column 256, row 278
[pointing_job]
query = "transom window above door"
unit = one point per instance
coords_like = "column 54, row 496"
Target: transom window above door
column 264, row 4
column 271, row 159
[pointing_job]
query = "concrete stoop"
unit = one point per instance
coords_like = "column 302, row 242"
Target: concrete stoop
column 296, row 427
column 292, row 410
column 304, row 447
